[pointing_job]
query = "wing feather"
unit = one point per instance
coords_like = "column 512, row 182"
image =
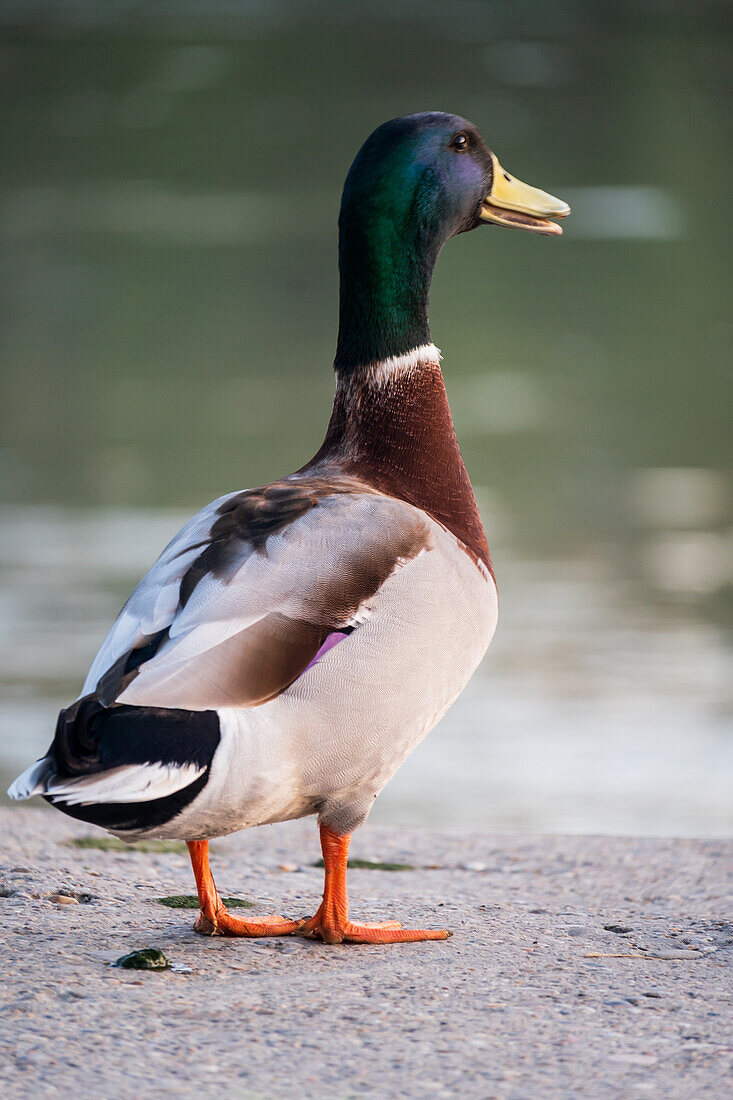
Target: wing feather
column 153, row 605
column 259, row 608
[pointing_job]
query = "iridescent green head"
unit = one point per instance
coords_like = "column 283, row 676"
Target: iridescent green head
column 416, row 182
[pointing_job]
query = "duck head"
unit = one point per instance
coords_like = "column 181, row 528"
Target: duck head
column 416, row 182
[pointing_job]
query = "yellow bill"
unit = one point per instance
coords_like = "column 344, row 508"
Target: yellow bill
column 519, row 206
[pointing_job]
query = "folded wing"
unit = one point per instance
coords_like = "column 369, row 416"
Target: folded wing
column 242, row 600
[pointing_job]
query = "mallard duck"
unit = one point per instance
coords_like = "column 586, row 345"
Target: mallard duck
column 294, row 643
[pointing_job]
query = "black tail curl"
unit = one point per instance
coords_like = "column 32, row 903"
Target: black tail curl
column 91, row 738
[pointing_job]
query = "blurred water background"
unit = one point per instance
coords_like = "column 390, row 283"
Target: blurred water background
column 169, row 186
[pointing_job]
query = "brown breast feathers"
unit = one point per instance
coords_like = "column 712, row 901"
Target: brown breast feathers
column 397, row 435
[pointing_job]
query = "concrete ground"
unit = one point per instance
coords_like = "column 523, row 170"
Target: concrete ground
column 583, row 967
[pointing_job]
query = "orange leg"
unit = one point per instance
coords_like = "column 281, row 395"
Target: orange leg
column 214, row 920
column 331, row 922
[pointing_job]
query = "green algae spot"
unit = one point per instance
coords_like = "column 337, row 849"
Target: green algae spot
column 190, row 901
column 148, row 958
column 112, row 844
column 372, row 865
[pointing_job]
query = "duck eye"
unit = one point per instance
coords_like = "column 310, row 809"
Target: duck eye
column 460, row 143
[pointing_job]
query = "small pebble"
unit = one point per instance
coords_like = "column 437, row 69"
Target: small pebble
column 287, row 866
column 147, row 958
column 61, row 899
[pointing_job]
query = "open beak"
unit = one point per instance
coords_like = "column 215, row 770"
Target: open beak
column 519, row 206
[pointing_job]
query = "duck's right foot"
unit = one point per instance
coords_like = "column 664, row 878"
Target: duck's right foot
column 214, row 919
column 222, row 923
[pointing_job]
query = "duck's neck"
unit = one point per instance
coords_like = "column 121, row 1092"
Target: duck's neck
column 391, row 426
column 385, row 272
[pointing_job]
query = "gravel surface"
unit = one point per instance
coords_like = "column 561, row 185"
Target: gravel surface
column 580, row 967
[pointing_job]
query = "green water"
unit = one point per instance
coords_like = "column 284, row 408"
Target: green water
column 169, row 188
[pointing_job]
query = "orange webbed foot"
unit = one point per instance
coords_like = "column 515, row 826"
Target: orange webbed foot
column 331, row 921
column 214, row 918
column 222, row 923
column 331, row 929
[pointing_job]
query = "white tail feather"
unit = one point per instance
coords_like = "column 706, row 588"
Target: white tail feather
column 128, row 783
column 32, row 781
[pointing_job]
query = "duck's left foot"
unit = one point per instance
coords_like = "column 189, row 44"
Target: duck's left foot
column 331, row 922
column 331, row 929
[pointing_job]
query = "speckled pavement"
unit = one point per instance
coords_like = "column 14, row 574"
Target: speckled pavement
column 580, row 967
